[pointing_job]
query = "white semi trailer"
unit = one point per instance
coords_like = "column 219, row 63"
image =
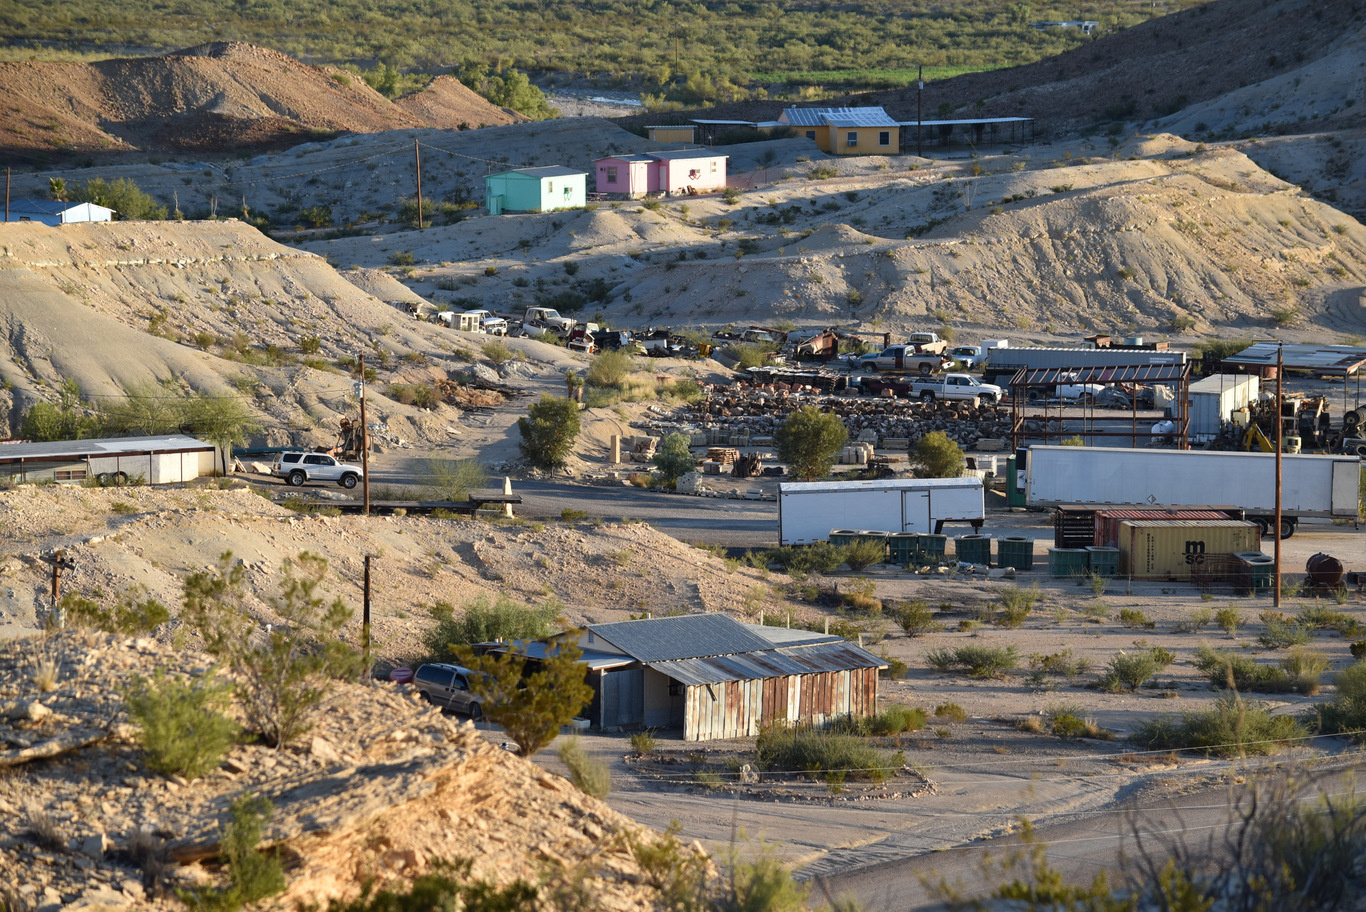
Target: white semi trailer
column 1319, row 486
column 808, row 511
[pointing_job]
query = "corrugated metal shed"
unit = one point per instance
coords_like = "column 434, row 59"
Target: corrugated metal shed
column 102, row 446
column 818, row 658
column 688, row 636
column 1321, row 359
column 548, row 171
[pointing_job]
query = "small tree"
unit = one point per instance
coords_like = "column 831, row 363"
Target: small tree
column 530, row 706
column 483, row 623
column 184, row 731
column 549, row 431
column 809, row 441
column 939, row 456
column 454, row 479
column 121, row 195
column 286, row 671
column 674, row 457
column 67, row 420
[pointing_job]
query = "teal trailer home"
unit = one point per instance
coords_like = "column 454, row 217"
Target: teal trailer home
column 535, row 190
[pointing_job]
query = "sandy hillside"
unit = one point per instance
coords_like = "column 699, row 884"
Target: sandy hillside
column 211, row 98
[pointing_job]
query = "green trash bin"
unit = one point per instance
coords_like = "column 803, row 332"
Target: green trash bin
column 903, row 546
column 930, row 549
column 1259, row 570
column 1064, row 563
column 841, row 537
column 1015, row 551
column 973, row 549
column 1102, row 561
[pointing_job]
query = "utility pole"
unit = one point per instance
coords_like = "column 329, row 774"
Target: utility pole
column 1280, row 434
column 364, row 437
column 920, row 81
column 365, row 618
column 417, row 158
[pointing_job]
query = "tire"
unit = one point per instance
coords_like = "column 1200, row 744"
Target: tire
column 104, row 479
column 297, row 479
column 476, row 712
column 1263, row 524
column 927, row 396
column 347, row 481
column 120, row 479
column 1287, row 528
column 986, row 400
column 924, row 370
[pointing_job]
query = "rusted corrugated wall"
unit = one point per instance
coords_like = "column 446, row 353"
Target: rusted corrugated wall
column 738, row 709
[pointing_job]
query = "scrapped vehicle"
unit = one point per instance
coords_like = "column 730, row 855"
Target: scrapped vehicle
column 448, row 686
column 960, row 387
column 489, row 322
column 300, row 468
column 547, row 318
column 927, row 343
column 969, row 356
column 1113, row 397
column 902, row 358
column 612, row 339
column 465, row 322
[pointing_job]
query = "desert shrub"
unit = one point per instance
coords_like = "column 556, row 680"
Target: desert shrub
column 951, row 711
column 1130, row 671
column 1016, row 605
column 1281, row 632
column 609, row 369
column 482, row 622
column 496, row 351
column 531, row 706
column 1229, row 620
column 133, row 613
column 1233, row 726
column 1066, row 721
column 643, row 741
column 864, row 552
column 1133, row 618
column 283, row 673
column 674, row 457
column 1319, row 618
column 447, row 886
column 916, row 618
column 569, row 514
column 184, row 731
column 1239, row 672
column 122, row 195
column 454, row 479
column 548, row 431
column 1346, row 712
column 252, row 875
column 779, row 747
column 592, row 777
column 1199, row 619
column 896, row 719
column 804, row 560
column 938, row 456
column 976, row 660
column 1060, row 663
column 895, row 670
column 809, row 440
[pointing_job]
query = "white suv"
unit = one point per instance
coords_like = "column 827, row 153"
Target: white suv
column 489, row 322
column 298, row 468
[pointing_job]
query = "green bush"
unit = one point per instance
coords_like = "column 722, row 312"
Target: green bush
column 252, row 875
column 1346, row 712
column 496, row 351
column 1231, row 728
column 481, row 622
column 938, row 456
column 609, row 369
column 976, row 660
column 803, row 560
column 809, row 442
column 448, row 886
column 1318, row 618
column 121, row 195
column 864, row 552
column 130, row 615
column 1130, row 671
column 282, row 673
column 821, row 753
column 1229, row 620
column 531, row 706
column 454, row 479
column 643, row 741
column 1281, row 632
column 549, row 431
column 184, row 731
column 592, row 777
column 916, row 618
column 674, row 457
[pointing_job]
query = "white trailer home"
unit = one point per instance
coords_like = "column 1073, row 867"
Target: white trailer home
column 111, row 460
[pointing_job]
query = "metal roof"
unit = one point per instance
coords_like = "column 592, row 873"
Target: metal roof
column 851, row 117
column 1109, row 373
column 101, row 447
column 790, row 636
column 687, row 636
column 817, row 658
column 540, row 649
column 548, row 171
column 1323, row 359
column 684, row 154
column 964, row 123
column 884, row 484
column 627, row 157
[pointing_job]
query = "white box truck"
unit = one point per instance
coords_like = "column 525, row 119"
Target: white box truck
column 1319, row 486
column 808, row 511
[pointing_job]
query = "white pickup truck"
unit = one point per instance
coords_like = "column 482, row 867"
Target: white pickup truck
column 539, row 319
column 902, row 358
column 959, row 387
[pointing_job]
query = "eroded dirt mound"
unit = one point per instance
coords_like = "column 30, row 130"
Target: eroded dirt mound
column 382, row 788
column 214, row 97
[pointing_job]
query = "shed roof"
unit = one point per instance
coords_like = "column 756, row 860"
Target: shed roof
column 1323, row 359
column 51, row 207
column 627, row 157
column 684, row 154
column 1102, row 373
column 688, row 636
column 102, row 446
column 815, row 658
column 965, row 121
column 540, row 649
column 850, row 117
column 879, row 484
column 547, row 171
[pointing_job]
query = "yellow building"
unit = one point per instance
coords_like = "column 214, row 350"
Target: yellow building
column 847, row 131
column 671, row 134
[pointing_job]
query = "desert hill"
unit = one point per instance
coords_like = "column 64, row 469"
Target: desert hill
column 211, row 98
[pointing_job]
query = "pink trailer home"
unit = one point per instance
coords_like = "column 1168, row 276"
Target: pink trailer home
column 684, row 171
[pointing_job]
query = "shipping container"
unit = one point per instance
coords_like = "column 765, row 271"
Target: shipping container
column 1107, row 521
column 1215, row 399
column 1167, row 549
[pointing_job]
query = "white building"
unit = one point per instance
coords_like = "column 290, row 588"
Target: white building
column 52, row 212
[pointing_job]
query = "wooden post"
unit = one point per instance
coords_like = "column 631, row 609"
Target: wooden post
column 364, row 440
column 417, row 159
column 365, row 618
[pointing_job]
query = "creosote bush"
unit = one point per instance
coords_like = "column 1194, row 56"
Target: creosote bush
column 531, row 705
column 1131, row 670
column 824, row 753
column 133, row 613
column 1232, row 727
column 548, row 432
column 482, row 622
column 252, row 875
column 592, row 777
column 976, row 660
column 184, row 731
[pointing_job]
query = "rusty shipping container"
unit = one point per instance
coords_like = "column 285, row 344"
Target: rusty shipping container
column 1107, row 521
column 1167, row 549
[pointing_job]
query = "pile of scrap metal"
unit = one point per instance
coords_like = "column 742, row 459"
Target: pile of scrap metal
column 797, row 379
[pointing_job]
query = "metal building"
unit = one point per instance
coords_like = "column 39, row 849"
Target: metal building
column 715, row 677
column 111, row 460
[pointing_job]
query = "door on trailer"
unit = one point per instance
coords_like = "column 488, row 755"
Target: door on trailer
column 915, row 511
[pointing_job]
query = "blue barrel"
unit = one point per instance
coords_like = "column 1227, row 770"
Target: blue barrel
column 1015, row 551
column 973, row 549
